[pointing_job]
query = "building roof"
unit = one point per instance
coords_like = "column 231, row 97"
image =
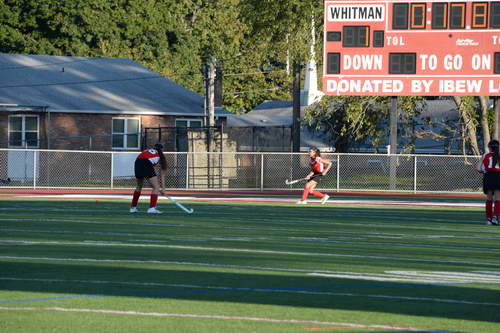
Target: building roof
column 93, row 85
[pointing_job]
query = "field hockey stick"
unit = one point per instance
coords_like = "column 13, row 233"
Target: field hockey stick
column 178, row 204
column 5, row 181
column 290, row 182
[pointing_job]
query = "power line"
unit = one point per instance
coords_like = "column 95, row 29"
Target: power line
column 47, row 65
column 251, row 91
column 82, row 82
column 255, row 73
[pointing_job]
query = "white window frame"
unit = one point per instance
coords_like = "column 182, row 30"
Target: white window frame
column 23, row 130
column 125, row 147
column 189, row 120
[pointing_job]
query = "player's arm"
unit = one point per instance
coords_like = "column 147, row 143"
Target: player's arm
column 328, row 164
column 480, row 165
column 162, row 181
column 309, row 175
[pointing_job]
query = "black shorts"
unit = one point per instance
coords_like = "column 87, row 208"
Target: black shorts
column 144, row 169
column 316, row 177
column 491, row 181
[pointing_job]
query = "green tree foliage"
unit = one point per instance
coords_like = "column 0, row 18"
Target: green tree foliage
column 353, row 119
column 173, row 37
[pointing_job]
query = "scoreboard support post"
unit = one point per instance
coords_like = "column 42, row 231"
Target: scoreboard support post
column 496, row 130
column 393, row 149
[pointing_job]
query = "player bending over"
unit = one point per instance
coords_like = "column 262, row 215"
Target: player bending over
column 489, row 166
column 319, row 168
column 144, row 168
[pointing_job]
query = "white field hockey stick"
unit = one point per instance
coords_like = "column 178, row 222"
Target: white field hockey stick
column 290, row 182
column 178, row 204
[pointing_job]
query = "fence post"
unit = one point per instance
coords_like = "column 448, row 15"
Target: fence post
column 415, row 175
column 338, row 173
column 262, row 171
column 34, row 169
column 187, row 170
column 112, row 169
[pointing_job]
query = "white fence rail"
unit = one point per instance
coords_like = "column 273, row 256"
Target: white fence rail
column 255, row 171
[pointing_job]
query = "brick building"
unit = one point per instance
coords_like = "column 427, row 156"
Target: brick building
column 55, row 102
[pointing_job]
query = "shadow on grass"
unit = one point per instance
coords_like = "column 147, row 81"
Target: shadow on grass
column 89, row 281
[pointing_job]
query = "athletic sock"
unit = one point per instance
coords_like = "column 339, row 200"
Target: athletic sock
column 154, row 199
column 135, row 198
column 305, row 193
column 489, row 209
column 318, row 194
column 496, row 209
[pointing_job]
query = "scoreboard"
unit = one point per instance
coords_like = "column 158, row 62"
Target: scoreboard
column 402, row 48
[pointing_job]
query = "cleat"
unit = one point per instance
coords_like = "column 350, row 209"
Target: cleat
column 153, row 211
column 488, row 222
column 494, row 220
column 301, row 202
column 134, row 210
column 325, row 199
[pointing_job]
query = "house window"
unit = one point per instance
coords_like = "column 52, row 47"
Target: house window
column 188, row 123
column 439, row 15
column 23, row 131
column 126, row 133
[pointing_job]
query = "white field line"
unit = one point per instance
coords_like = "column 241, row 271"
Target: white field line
column 265, row 290
column 278, row 200
column 338, row 240
column 437, row 277
column 204, row 316
column 237, row 250
column 365, row 233
column 254, row 251
column 487, row 272
column 417, row 276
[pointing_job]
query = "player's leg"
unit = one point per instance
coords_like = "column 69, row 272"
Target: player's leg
column 324, row 197
column 137, row 194
column 307, row 189
column 155, row 184
column 495, row 197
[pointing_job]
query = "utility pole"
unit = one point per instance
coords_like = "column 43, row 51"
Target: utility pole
column 210, row 91
column 297, row 69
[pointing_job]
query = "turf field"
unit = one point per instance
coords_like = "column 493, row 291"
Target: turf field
column 87, row 266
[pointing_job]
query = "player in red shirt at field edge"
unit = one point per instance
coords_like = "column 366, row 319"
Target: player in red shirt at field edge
column 319, row 168
column 489, row 165
column 144, row 168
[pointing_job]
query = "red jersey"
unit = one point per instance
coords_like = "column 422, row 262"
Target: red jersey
column 487, row 164
column 317, row 165
column 151, row 154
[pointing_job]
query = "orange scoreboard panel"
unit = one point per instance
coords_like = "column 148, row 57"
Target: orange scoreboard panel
column 402, row 48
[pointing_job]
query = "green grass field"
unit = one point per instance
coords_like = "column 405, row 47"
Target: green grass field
column 82, row 266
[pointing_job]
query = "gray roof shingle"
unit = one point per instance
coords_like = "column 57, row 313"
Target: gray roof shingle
column 93, row 85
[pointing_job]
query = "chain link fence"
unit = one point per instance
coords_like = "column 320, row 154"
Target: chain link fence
column 231, row 171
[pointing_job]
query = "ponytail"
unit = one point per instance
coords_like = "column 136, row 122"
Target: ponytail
column 163, row 161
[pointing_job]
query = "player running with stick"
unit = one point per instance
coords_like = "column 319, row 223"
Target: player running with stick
column 319, row 168
column 144, row 168
column 489, row 165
